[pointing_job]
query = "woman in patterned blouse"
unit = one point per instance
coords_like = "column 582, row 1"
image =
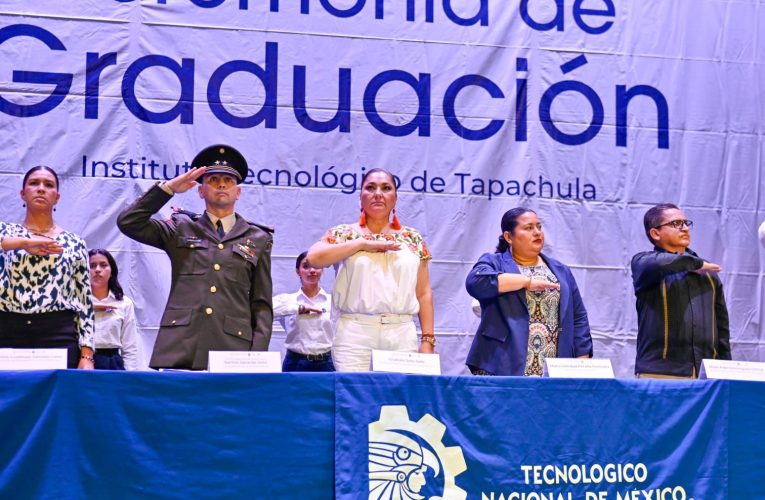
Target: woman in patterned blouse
column 530, row 304
column 44, row 280
column 382, row 279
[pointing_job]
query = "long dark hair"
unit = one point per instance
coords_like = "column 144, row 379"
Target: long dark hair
column 114, row 283
column 300, row 259
column 40, row 167
column 509, row 223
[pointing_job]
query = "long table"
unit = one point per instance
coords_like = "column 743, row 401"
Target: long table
column 77, row 434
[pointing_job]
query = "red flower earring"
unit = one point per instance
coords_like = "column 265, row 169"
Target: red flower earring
column 395, row 224
column 363, row 219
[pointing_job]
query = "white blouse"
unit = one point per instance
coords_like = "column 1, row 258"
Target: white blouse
column 306, row 333
column 116, row 329
column 378, row 282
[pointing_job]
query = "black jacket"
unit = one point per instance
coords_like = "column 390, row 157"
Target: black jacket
column 682, row 317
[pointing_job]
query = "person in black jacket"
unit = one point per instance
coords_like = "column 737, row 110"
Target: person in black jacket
column 682, row 317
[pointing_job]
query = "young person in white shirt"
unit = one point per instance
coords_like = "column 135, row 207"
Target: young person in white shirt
column 305, row 316
column 116, row 332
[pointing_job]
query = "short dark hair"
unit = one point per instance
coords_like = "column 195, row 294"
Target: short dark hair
column 114, row 282
column 509, row 223
column 653, row 216
column 35, row 169
column 300, row 259
column 377, row 171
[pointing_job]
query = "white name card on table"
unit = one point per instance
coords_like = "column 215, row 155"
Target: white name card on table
column 244, row 362
column 578, row 368
column 33, row 359
column 725, row 369
column 406, row 362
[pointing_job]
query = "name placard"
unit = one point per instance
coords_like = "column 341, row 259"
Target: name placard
column 244, row 362
column 578, row 368
column 33, row 359
column 726, row 369
column 406, row 362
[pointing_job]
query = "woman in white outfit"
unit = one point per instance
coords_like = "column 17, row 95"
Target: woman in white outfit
column 382, row 279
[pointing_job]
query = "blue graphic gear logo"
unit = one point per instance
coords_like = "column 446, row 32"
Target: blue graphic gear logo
column 403, row 453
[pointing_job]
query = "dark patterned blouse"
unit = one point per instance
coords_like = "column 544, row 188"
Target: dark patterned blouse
column 544, row 324
column 32, row 284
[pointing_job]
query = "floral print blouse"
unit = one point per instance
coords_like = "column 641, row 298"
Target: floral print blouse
column 378, row 282
column 407, row 236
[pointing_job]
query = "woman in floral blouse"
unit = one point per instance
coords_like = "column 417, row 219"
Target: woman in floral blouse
column 44, row 279
column 382, row 279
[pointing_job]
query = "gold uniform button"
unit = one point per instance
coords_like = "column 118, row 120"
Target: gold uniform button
column 220, row 245
column 216, row 267
column 191, row 246
column 239, row 333
column 213, row 289
column 209, row 311
column 173, row 322
column 29, row 322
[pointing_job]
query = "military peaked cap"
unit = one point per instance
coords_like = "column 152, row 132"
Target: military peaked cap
column 222, row 159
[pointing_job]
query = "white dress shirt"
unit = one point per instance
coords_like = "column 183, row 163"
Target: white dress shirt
column 306, row 333
column 116, row 328
column 227, row 221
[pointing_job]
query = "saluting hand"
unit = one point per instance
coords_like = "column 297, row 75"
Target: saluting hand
column 42, row 246
column 309, row 310
column 536, row 285
column 708, row 267
column 380, row 245
column 185, row 181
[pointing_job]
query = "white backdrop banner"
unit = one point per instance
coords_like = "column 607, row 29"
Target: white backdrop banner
column 587, row 111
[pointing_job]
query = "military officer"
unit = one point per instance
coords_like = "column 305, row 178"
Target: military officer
column 220, row 294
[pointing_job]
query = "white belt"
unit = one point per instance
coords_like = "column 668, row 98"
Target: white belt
column 378, row 319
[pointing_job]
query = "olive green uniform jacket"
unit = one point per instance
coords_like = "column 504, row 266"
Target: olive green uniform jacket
column 220, row 295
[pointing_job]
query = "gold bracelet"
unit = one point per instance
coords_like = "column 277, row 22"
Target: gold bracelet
column 430, row 339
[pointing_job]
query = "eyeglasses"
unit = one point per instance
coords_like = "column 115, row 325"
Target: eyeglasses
column 677, row 224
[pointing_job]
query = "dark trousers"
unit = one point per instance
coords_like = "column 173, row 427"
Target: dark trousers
column 296, row 362
column 53, row 330
column 108, row 359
